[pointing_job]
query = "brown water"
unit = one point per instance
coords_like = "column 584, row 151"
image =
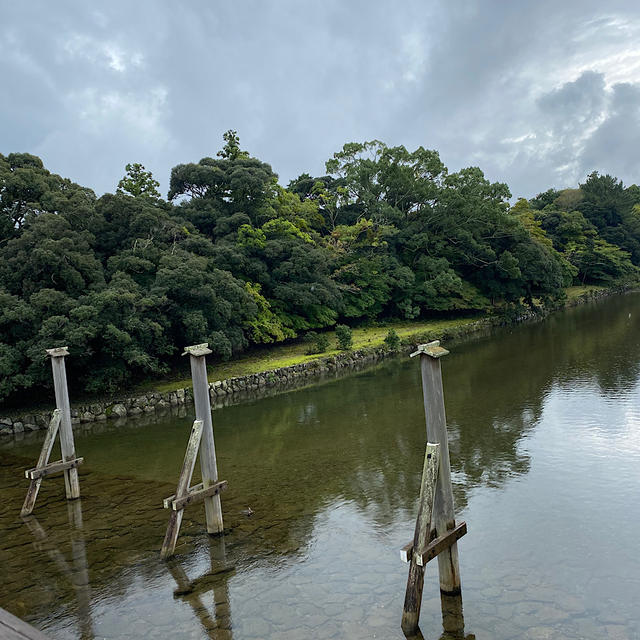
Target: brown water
column 544, row 426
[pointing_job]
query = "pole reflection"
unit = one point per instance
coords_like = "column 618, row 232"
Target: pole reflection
column 219, row 625
column 77, row 572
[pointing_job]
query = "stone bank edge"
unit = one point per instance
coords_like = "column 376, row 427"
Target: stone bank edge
column 256, row 385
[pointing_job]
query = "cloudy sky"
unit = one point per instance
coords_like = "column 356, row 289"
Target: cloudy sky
column 537, row 94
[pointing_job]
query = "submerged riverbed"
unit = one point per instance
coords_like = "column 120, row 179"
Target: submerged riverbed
column 544, row 428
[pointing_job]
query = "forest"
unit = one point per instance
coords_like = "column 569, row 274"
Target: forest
column 233, row 258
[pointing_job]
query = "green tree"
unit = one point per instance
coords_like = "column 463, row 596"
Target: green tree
column 344, row 337
column 138, row 182
column 392, row 340
column 231, row 149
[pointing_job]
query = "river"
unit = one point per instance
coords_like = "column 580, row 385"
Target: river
column 544, row 430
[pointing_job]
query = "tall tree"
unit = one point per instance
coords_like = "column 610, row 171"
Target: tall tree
column 138, row 182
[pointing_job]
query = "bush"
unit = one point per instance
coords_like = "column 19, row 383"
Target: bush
column 392, row 340
column 318, row 342
column 344, row 337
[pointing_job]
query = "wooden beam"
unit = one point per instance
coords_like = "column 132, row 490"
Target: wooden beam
column 195, row 494
column 407, row 551
column 436, row 546
column 415, row 580
column 52, row 467
column 189, row 462
column 45, row 452
column 13, row 628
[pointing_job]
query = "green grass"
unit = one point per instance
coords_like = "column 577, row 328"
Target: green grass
column 285, row 355
column 580, row 290
column 267, row 358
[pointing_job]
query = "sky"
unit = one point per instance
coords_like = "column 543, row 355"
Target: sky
column 537, row 94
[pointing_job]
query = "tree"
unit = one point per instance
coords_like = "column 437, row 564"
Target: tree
column 231, row 149
column 344, row 337
column 27, row 189
column 138, row 182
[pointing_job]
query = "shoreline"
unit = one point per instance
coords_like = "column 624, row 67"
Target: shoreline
column 251, row 386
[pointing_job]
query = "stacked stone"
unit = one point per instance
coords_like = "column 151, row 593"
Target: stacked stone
column 223, row 392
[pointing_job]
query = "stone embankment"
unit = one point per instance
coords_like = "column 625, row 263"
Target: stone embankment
column 222, row 392
column 255, row 385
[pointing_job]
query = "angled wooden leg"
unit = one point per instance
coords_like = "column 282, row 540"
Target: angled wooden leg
column 175, row 518
column 421, row 536
column 45, row 452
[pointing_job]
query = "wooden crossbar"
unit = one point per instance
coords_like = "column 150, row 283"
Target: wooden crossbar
column 52, row 467
column 195, row 494
column 436, row 546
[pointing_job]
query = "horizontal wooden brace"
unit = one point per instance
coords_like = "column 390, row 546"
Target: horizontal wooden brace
column 51, row 468
column 195, row 494
column 435, row 547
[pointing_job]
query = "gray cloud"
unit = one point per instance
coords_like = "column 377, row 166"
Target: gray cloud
column 536, row 93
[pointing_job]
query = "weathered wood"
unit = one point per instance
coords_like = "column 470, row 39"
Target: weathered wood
column 436, row 546
column 51, row 468
column 443, row 510
column 415, row 581
column 71, row 482
column 189, row 462
column 407, row 551
column 196, row 494
column 12, row 628
column 208, row 465
column 45, row 452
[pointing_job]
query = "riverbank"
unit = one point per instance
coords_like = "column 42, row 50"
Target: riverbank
column 275, row 369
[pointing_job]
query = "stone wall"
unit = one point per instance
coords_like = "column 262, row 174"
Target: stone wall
column 232, row 390
column 256, row 385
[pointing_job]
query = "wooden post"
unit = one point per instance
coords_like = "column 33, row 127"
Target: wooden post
column 208, row 491
column 212, row 504
column 421, row 537
column 71, row 483
column 60, row 423
column 443, row 511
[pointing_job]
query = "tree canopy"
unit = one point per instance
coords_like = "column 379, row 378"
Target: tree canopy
column 234, row 258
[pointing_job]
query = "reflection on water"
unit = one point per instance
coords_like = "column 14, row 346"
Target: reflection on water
column 544, row 425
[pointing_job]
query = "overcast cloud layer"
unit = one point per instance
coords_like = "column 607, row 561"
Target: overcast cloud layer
column 537, row 94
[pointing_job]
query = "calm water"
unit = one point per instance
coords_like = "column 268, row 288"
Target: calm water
column 544, row 427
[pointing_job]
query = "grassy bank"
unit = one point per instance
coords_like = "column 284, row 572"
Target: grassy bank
column 284, row 355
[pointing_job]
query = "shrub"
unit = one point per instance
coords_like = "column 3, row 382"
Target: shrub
column 344, row 337
column 392, row 340
column 318, row 342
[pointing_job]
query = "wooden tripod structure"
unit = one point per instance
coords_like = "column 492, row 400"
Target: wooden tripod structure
column 201, row 439
column 60, row 423
column 436, row 533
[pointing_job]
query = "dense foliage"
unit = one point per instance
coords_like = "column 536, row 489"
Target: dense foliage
column 233, row 258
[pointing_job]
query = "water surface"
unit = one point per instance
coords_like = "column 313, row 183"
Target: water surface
column 544, row 427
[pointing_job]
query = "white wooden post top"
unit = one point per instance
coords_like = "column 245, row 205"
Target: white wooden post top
column 198, row 350
column 58, row 352
column 432, row 349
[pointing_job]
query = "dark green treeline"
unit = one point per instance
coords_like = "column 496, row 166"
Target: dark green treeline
column 234, row 258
